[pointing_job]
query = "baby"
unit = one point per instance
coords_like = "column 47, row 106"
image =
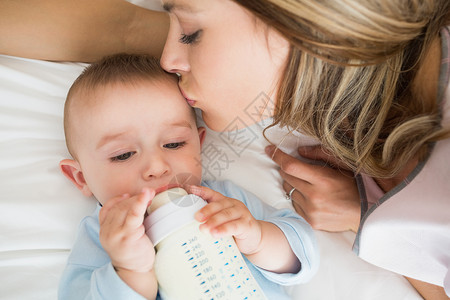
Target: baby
column 131, row 135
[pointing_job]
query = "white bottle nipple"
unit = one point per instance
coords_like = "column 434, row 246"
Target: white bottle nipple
column 165, row 197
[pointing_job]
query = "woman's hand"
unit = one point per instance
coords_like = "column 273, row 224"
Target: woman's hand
column 224, row 216
column 326, row 196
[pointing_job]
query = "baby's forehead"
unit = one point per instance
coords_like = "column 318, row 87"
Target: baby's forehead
column 163, row 94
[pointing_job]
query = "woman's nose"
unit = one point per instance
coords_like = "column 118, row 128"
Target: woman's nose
column 156, row 166
column 174, row 58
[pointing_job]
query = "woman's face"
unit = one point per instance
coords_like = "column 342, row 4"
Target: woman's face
column 228, row 61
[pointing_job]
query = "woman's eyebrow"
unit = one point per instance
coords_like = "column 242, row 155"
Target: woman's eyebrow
column 170, row 6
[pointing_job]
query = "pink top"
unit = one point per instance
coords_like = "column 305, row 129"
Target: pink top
column 407, row 230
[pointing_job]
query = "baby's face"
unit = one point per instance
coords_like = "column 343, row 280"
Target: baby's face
column 136, row 136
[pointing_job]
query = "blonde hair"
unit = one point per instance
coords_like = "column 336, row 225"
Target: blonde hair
column 126, row 69
column 348, row 79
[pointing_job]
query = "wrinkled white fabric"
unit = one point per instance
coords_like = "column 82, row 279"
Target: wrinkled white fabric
column 407, row 230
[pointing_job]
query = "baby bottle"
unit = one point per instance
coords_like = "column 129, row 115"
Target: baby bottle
column 190, row 264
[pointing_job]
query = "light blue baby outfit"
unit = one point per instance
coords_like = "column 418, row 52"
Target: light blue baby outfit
column 89, row 273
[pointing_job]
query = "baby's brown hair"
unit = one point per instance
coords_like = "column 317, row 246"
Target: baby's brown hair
column 125, row 69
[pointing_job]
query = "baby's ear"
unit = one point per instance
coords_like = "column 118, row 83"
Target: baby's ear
column 72, row 170
column 201, row 134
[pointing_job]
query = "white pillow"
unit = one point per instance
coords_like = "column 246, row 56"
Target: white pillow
column 150, row 4
column 39, row 208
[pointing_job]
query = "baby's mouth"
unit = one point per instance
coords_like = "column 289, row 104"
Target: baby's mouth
column 167, row 187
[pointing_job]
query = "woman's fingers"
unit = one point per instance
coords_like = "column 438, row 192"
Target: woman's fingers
column 297, row 194
column 297, row 183
column 325, row 196
column 297, row 198
column 317, row 153
column 295, row 167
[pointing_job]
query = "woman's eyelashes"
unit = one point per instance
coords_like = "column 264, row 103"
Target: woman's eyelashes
column 123, row 157
column 190, row 38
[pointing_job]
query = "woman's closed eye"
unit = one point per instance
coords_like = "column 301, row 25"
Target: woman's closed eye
column 176, row 145
column 123, row 157
column 190, row 38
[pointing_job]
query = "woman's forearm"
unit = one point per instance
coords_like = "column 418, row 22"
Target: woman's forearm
column 274, row 252
column 428, row 290
column 82, row 30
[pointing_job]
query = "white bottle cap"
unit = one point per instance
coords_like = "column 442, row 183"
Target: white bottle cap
column 173, row 210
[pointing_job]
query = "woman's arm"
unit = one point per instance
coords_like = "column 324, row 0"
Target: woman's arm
column 428, row 290
column 82, row 30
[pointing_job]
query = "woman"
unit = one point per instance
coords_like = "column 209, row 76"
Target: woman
column 360, row 76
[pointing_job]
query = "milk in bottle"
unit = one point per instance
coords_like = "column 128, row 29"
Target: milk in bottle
column 190, row 264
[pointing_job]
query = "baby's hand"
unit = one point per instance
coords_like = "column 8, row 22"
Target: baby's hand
column 224, row 216
column 122, row 233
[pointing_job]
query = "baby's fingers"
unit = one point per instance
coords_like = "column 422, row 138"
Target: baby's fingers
column 205, row 193
column 234, row 227
column 216, row 215
column 209, row 210
column 106, row 208
column 138, row 208
column 229, row 220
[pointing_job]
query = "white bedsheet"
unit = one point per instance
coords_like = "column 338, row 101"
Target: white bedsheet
column 40, row 209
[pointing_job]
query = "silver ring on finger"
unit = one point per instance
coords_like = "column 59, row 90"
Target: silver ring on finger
column 289, row 195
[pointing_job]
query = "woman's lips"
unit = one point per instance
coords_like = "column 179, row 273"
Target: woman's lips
column 189, row 101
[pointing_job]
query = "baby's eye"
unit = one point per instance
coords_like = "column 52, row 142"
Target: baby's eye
column 174, row 145
column 123, row 156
